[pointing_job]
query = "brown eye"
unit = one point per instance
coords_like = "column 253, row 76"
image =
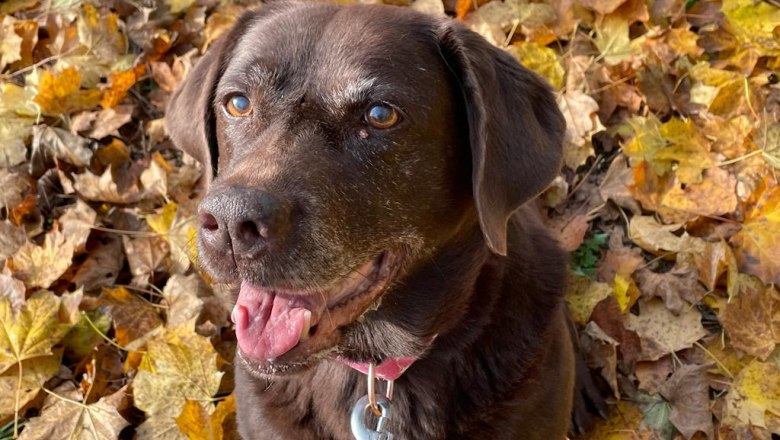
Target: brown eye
column 382, row 116
column 239, row 105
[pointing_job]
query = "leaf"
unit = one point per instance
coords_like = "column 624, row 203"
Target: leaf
column 74, row 420
column 40, row 266
column 34, row 373
column 181, row 296
column 581, row 114
column 120, row 83
column 626, row 292
column 653, row 236
column 540, row 59
column 752, row 319
column 714, row 195
column 178, row 6
column 687, row 391
column 661, row 331
column 103, row 123
column 179, row 365
column 755, row 391
column 613, row 41
column 757, row 244
column 656, row 412
column 50, row 143
column 30, row 332
column 77, row 223
column 197, row 424
column 11, row 290
column 13, row 131
column 179, row 231
column 583, row 295
column 133, row 317
column 13, row 187
column 103, row 188
column 10, row 43
column 60, row 93
column 754, row 23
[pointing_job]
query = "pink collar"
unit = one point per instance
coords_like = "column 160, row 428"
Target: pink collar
column 390, row 369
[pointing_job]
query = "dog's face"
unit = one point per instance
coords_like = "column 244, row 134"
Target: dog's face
column 347, row 145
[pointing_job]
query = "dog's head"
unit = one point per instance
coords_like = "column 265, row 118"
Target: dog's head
column 344, row 145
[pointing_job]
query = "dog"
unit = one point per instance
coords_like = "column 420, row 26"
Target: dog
column 368, row 177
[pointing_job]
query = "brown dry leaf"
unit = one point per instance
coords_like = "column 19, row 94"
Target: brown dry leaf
column 711, row 260
column 40, row 266
column 60, row 93
column 754, row 394
column 32, row 331
column 34, row 373
column 11, row 290
column 661, row 331
column 581, row 114
column 179, row 365
column 688, row 393
column 155, row 178
column 103, row 188
column 752, row 319
column 68, row 418
column 197, row 424
column 102, row 266
column 757, row 245
column 10, row 42
column 76, row 224
column 615, row 185
column 672, row 287
column 144, row 255
column 13, row 187
column 52, row 143
column 600, row 353
column 132, row 316
column 652, row 376
column 571, row 230
column 654, row 237
column 715, row 195
column 103, row 123
column 181, row 296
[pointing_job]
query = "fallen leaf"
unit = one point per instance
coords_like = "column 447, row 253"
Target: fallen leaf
column 583, row 295
column 754, row 393
column 757, row 244
column 541, row 59
column 52, row 143
column 40, row 266
column 65, row 417
column 77, row 223
column 61, row 93
column 654, row 237
column 179, row 365
column 714, row 195
column 12, row 237
column 103, row 188
column 181, row 296
column 34, row 372
column 198, row 424
column 752, row 319
column 10, row 42
column 133, row 317
column 581, row 114
column 600, row 354
column 688, row 393
column 679, row 288
column 613, row 41
column 32, row 331
column 661, row 331
column 103, row 123
column 625, row 292
column 13, row 188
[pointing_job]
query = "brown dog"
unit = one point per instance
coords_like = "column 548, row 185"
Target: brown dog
column 368, row 167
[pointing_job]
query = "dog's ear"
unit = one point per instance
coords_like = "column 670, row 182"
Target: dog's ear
column 189, row 117
column 515, row 128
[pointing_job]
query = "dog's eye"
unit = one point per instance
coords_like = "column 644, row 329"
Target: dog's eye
column 382, row 116
column 238, row 105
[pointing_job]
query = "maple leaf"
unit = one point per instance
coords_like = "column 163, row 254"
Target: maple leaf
column 754, row 23
column 661, row 331
column 179, row 231
column 583, row 295
column 10, row 43
column 613, row 41
column 755, row 391
column 103, row 188
column 757, row 244
column 181, row 296
column 133, row 317
column 39, row 266
column 61, row 93
column 540, row 59
column 581, row 114
column 198, row 424
column 687, row 390
column 752, row 319
column 179, row 365
column 66, row 417
column 18, row 386
column 32, row 331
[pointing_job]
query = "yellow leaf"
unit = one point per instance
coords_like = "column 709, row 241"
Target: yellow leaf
column 723, row 92
column 61, row 93
column 39, row 266
column 754, row 23
column 540, row 59
column 34, row 373
column 179, row 5
column 757, row 244
column 196, row 422
column 625, row 292
column 582, row 297
column 179, row 231
column 10, row 43
column 662, row 332
column 179, row 365
column 613, row 41
column 715, row 195
column 31, row 332
column 755, row 391
column 71, row 419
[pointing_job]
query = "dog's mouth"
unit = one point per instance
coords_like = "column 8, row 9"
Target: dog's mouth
column 278, row 330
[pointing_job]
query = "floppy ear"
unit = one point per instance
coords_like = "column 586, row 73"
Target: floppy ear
column 515, row 128
column 189, row 117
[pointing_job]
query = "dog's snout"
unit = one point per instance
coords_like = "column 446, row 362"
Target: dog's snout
column 246, row 221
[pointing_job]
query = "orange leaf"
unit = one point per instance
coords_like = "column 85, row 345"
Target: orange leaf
column 757, row 245
column 462, row 7
column 61, row 93
column 120, row 83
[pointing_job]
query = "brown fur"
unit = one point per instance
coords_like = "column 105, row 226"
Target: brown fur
column 480, row 136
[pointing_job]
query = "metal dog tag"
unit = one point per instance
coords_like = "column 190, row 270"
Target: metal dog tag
column 358, row 420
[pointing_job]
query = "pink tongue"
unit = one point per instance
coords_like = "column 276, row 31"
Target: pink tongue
column 267, row 325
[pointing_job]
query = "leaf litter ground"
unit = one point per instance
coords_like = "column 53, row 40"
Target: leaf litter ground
column 668, row 201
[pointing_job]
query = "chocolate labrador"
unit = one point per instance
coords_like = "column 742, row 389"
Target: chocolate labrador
column 368, row 173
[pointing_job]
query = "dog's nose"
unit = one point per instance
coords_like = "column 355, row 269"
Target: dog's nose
column 245, row 220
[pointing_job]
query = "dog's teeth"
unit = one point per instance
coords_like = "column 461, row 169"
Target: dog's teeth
column 306, row 325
